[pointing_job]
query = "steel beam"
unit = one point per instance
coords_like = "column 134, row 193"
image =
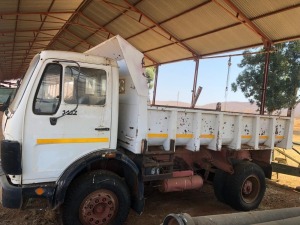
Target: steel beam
column 19, row 49
column 233, row 25
column 22, row 42
column 177, row 41
column 292, row 38
column 35, row 13
column 27, row 30
column 42, row 24
column 99, row 28
column 16, row 28
column 155, row 85
column 76, row 36
column 174, row 17
column 245, row 20
column 278, row 11
column 193, row 103
column 265, row 80
column 118, row 16
column 110, row 33
column 32, row 20
column 285, row 169
column 83, row 5
column 228, row 27
column 209, row 54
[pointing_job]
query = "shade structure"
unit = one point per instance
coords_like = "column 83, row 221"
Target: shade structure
column 165, row 31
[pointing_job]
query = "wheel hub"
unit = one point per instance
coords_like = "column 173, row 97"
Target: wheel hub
column 250, row 189
column 247, row 189
column 98, row 208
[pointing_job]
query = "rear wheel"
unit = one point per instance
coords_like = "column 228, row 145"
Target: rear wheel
column 219, row 184
column 246, row 187
column 97, row 198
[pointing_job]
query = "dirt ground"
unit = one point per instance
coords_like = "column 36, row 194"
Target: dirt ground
column 280, row 193
column 158, row 205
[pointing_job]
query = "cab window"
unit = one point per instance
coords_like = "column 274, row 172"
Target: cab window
column 47, row 97
column 89, row 87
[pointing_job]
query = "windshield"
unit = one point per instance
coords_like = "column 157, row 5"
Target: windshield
column 18, row 96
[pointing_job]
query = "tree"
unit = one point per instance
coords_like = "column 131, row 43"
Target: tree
column 150, row 73
column 283, row 77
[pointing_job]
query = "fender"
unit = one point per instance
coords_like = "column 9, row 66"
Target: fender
column 131, row 174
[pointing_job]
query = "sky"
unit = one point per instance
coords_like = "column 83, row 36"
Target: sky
column 175, row 81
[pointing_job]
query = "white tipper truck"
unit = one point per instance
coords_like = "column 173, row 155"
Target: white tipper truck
column 81, row 134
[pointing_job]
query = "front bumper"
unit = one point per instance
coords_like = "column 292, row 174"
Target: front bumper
column 10, row 195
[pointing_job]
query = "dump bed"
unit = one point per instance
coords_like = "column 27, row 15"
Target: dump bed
column 195, row 128
column 141, row 124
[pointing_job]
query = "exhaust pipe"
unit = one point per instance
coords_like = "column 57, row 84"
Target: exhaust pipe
column 244, row 218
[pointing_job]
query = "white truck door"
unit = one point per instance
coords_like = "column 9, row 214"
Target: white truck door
column 81, row 127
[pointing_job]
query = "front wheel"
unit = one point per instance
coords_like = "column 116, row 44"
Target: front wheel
column 245, row 188
column 97, row 198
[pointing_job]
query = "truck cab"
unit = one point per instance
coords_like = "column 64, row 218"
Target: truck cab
column 42, row 117
column 62, row 123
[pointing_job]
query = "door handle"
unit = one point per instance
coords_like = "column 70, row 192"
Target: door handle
column 102, row 128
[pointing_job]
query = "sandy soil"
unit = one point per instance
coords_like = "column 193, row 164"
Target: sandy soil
column 279, row 194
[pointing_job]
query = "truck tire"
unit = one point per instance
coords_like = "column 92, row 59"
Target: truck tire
column 99, row 197
column 219, row 184
column 246, row 187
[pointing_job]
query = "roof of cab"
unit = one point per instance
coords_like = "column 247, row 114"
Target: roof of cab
column 77, row 57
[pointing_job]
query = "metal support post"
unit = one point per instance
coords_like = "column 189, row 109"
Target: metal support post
column 265, row 80
column 155, row 85
column 194, row 94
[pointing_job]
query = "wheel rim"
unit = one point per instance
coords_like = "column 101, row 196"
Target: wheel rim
column 98, row 208
column 250, row 189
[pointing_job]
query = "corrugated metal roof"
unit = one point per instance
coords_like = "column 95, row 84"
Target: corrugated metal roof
column 265, row 6
column 165, row 31
column 218, row 41
column 204, row 19
column 277, row 28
